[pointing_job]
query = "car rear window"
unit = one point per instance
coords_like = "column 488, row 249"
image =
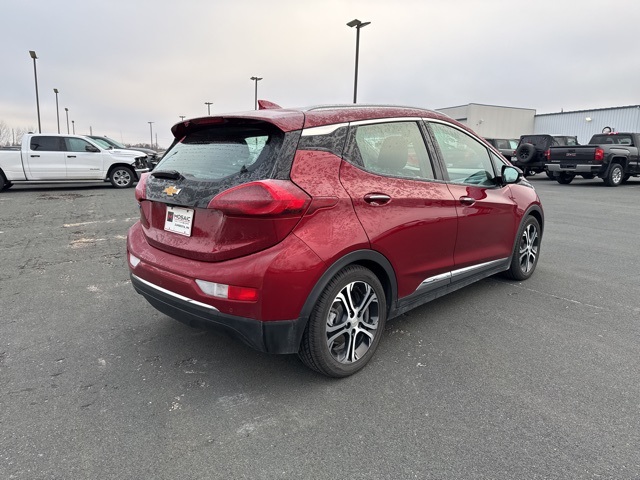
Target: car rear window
column 217, row 152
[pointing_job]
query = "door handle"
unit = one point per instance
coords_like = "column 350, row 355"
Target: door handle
column 35, row 156
column 71, row 156
column 376, row 199
column 467, row 201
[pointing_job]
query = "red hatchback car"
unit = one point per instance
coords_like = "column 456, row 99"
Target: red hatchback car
column 304, row 230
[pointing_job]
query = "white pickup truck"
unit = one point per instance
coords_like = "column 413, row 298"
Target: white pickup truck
column 54, row 158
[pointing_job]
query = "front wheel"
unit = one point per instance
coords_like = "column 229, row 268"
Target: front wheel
column 122, row 177
column 346, row 323
column 3, row 182
column 527, row 250
column 616, row 174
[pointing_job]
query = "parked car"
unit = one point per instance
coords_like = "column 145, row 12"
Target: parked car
column 304, row 230
column 106, row 142
column 46, row 158
column 530, row 154
column 506, row 146
column 610, row 156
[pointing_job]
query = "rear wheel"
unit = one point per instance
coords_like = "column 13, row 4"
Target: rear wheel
column 616, row 174
column 346, row 323
column 565, row 178
column 122, row 177
column 526, row 252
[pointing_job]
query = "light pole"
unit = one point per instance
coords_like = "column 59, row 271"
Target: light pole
column 151, row 132
column 66, row 110
column 35, row 74
column 181, row 118
column 55, row 90
column 256, row 80
column 73, row 124
column 208, row 104
column 358, row 24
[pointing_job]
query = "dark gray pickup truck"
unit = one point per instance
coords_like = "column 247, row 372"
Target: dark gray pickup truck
column 610, row 156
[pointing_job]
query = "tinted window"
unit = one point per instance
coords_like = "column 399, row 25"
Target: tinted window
column 613, row 139
column 466, row 159
column 396, row 149
column 47, row 144
column 217, row 152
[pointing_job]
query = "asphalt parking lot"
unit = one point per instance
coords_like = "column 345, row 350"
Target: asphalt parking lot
column 501, row 380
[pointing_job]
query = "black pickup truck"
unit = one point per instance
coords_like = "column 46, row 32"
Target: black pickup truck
column 610, row 156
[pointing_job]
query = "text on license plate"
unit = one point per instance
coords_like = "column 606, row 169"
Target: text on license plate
column 179, row 220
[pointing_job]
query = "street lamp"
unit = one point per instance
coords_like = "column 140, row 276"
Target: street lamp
column 55, row 90
column 256, row 79
column 35, row 74
column 208, row 104
column 73, row 124
column 181, row 118
column 358, row 24
column 151, row 132
column 66, row 110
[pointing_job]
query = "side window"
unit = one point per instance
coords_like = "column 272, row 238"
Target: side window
column 465, row 159
column 396, row 149
column 46, row 144
column 77, row 145
column 498, row 163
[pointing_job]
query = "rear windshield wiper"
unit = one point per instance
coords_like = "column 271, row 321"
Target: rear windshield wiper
column 170, row 174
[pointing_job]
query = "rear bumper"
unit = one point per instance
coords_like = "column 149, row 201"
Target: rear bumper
column 557, row 167
column 281, row 336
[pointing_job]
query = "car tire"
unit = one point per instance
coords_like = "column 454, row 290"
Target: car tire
column 616, row 174
column 3, row 182
column 564, row 178
column 526, row 251
column 525, row 152
column 122, row 177
column 346, row 323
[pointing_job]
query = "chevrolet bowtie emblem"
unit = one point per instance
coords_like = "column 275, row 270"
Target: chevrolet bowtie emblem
column 171, row 191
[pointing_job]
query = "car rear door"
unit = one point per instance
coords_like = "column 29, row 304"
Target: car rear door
column 486, row 211
column 45, row 158
column 408, row 215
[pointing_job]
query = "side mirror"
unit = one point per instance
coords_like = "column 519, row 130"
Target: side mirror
column 91, row 148
column 511, row 174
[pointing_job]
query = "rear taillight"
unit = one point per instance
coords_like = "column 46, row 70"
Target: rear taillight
column 141, row 188
column 228, row 292
column 263, row 198
column 547, row 154
column 599, row 156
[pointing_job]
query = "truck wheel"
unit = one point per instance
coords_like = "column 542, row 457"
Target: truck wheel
column 346, row 323
column 616, row 174
column 3, row 182
column 122, row 177
column 526, row 251
column 564, row 178
column 525, row 152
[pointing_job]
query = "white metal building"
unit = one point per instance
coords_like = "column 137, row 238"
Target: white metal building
column 493, row 121
column 585, row 123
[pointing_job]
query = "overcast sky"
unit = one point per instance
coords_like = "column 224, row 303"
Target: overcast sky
column 119, row 64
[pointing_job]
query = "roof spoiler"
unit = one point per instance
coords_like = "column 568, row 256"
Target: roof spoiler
column 267, row 105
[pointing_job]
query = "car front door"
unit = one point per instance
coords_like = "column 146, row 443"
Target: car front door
column 45, row 158
column 83, row 162
column 486, row 211
column 408, row 215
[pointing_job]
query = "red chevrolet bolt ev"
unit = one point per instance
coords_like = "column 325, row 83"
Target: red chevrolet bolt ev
column 304, row 230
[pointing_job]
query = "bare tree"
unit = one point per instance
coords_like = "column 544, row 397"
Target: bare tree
column 5, row 134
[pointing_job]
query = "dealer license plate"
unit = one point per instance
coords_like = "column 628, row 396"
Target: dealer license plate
column 179, row 220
